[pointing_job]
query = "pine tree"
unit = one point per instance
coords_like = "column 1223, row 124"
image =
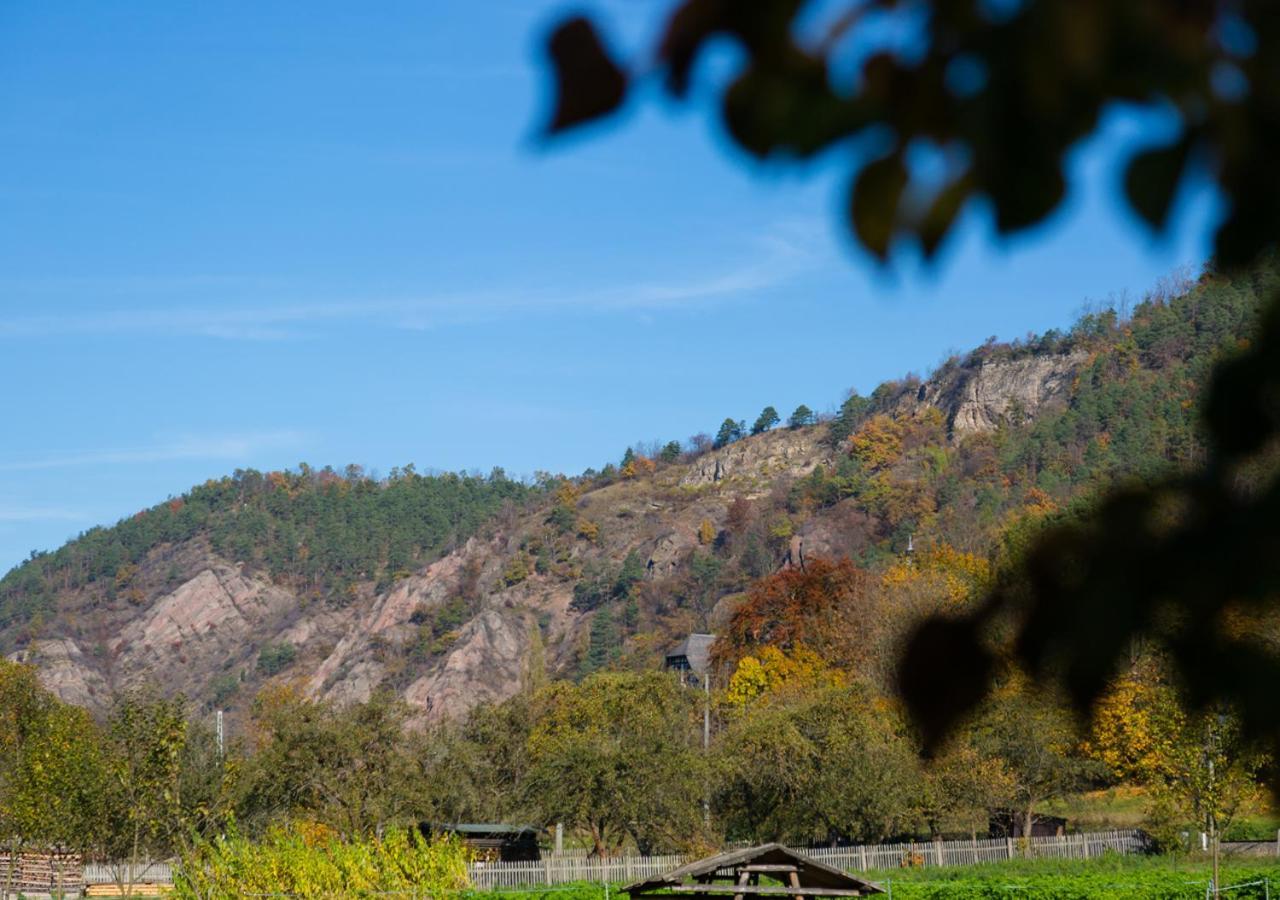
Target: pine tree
column 604, row 646
column 768, row 418
column 802, row 416
column 851, row 413
column 729, row 432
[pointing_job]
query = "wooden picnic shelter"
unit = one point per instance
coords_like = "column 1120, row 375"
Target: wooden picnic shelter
column 740, row 873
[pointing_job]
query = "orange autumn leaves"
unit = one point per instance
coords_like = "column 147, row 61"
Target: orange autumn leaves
column 829, row 607
column 794, row 607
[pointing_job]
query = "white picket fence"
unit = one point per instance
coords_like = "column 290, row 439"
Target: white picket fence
column 553, row 869
column 563, row 869
column 159, row 872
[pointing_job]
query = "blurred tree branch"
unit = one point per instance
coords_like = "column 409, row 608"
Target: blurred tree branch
column 999, row 93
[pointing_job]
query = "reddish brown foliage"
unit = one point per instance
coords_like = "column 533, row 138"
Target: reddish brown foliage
column 793, row 607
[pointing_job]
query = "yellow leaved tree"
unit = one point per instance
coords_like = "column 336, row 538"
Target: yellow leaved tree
column 774, row 674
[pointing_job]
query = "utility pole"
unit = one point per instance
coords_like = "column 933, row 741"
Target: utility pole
column 1213, row 827
column 706, row 712
column 1210, row 751
column 218, row 718
column 706, row 743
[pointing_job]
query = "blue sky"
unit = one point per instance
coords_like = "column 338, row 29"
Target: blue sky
column 246, row 234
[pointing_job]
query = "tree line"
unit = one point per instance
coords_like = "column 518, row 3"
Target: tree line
column 801, row 751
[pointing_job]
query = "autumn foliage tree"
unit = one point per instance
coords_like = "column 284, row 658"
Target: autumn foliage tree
column 1197, row 765
column 794, row 607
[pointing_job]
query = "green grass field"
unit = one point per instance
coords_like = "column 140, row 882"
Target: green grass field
column 1117, row 878
column 1126, row 808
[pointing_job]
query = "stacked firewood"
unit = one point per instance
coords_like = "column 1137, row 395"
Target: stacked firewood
column 45, row 872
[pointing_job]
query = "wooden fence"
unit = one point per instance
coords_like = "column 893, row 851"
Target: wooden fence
column 159, row 871
column 566, row 868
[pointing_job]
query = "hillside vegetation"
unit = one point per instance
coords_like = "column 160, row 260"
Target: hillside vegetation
column 607, row 566
column 514, row 629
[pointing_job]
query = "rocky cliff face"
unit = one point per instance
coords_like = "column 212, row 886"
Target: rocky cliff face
column 760, row 459
column 201, row 623
column 981, row 397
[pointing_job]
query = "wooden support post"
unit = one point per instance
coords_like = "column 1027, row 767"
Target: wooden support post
column 743, row 877
column 862, row 852
column 794, row 877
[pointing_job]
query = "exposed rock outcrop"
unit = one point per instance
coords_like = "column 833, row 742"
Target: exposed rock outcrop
column 775, row 454
column 979, row 398
column 210, row 623
column 487, row 663
column 66, row 671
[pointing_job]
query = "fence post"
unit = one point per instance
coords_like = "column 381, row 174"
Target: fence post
column 548, row 870
column 1008, row 847
column 862, row 853
column 938, row 847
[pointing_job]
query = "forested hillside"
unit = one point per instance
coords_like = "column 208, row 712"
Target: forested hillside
column 450, row 589
column 513, row 630
column 320, row 530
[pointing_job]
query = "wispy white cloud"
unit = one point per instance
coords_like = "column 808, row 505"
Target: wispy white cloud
column 231, row 447
column 773, row 258
column 19, row 513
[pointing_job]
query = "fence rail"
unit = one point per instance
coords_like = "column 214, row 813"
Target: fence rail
column 565, row 868
column 160, row 872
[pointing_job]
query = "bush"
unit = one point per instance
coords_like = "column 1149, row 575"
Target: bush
column 306, row 860
column 275, row 657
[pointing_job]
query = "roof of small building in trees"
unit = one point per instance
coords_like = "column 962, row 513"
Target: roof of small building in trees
column 483, row 828
column 696, row 649
column 738, row 873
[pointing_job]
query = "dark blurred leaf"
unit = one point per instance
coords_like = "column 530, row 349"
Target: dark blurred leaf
column 589, row 84
column 874, row 207
column 935, row 224
column 943, row 674
column 1025, row 189
column 1050, row 69
column 1151, row 180
column 688, row 28
column 768, row 113
column 1243, row 411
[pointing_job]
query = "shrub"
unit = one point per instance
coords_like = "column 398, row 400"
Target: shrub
column 275, row 657
column 308, row 861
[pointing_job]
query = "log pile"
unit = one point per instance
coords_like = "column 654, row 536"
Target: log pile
column 45, row 872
